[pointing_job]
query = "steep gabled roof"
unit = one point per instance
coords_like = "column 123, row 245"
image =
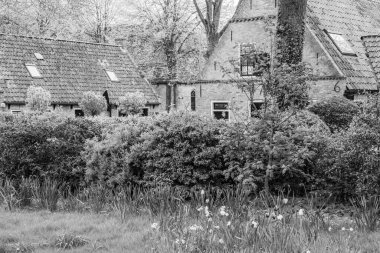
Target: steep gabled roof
column 352, row 19
column 68, row 69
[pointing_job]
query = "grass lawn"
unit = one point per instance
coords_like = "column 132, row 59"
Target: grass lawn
column 40, row 231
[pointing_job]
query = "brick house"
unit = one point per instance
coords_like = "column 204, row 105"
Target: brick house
column 341, row 44
column 67, row 69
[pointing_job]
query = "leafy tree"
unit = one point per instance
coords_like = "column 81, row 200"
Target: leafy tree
column 131, row 103
column 38, row 99
column 93, row 104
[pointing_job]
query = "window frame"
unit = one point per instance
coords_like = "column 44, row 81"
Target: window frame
column 333, row 38
column 31, row 72
column 247, row 60
column 221, row 110
column 110, row 74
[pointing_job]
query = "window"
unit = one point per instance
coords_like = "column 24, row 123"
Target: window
column 33, row 71
column 193, row 100
column 252, row 62
column 145, row 112
column 79, row 113
column 112, row 76
column 38, row 56
column 255, row 109
column 16, row 112
column 220, row 110
column 342, row 44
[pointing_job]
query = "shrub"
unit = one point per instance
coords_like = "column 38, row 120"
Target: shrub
column 38, row 99
column 336, row 112
column 131, row 103
column 45, row 146
column 296, row 142
column 93, row 104
column 175, row 149
column 350, row 165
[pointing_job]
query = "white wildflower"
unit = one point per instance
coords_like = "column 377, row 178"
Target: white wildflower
column 195, row 227
column 202, row 192
column 228, row 223
column 280, row 217
column 200, row 209
column 343, row 228
column 330, row 228
column 351, row 229
column 285, row 201
column 308, row 251
column 209, row 219
column 154, row 226
column 207, row 201
column 216, row 227
column 301, row 212
column 221, row 241
column 255, row 224
column 207, row 213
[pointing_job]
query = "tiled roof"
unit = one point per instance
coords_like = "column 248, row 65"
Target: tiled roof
column 69, row 68
column 352, row 19
column 372, row 44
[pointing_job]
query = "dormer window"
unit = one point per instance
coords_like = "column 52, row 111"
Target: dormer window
column 38, row 56
column 33, row 71
column 112, row 76
column 342, row 44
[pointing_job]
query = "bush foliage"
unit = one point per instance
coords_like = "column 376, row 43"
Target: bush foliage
column 336, row 112
column 45, row 146
column 175, row 149
column 38, row 99
column 93, row 104
column 297, row 149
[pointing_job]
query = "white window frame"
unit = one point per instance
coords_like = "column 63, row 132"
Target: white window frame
column 112, row 76
column 338, row 39
column 220, row 101
column 34, row 72
column 15, row 112
column 39, row 56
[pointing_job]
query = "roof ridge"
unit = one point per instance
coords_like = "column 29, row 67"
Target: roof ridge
column 254, row 18
column 62, row 40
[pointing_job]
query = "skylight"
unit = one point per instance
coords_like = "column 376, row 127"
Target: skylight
column 38, row 56
column 342, row 44
column 33, row 71
column 112, row 76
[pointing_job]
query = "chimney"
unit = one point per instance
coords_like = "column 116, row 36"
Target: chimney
column 291, row 30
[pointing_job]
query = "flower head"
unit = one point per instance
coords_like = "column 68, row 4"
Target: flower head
column 221, row 241
column 202, row 192
column 200, row 209
column 301, row 212
column 154, row 226
column 351, row 229
column 195, row 227
column 280, row 217
column 228, row 223
column 285, row 201
column 255, row 224
column 330, row 228
column 343, row 228
column 207, row 213
column 207, row 200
